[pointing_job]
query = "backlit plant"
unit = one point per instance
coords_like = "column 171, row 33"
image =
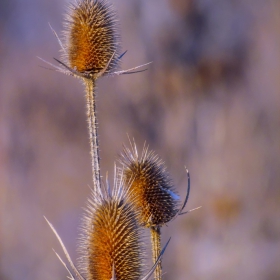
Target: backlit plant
column 143, row 194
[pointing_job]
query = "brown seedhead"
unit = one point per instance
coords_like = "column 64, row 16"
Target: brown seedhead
column 91, row 37
column 151, row 186
column 152, row 192
column 111, row 239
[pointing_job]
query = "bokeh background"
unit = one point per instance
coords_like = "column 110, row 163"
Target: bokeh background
column 210, row 101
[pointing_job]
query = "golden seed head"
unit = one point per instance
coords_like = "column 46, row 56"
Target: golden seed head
column 111, row 239
column 151, row 186
column 91, row 37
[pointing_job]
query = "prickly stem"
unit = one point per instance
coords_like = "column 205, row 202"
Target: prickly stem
column 156, row 248
column 93, row 136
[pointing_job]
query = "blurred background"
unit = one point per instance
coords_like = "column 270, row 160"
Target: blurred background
column 210, row 101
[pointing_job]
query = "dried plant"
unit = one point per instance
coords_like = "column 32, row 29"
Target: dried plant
column 111, row 237
column 143, row 195
column 111, row 245
column 91, row 38
column 91, row 49
column 153, row 193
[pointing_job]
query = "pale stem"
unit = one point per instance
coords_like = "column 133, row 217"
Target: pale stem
column 156, row 247
column 93, row 136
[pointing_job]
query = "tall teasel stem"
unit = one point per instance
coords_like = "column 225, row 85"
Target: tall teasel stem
column 156, row 248
column 93, row 136
column 92, row 50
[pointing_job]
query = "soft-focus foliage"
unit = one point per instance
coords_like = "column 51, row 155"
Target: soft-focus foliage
column 210, row 101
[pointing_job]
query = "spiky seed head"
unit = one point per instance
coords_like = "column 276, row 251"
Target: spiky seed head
column 111, row 239
column 91, row 36
column 152, row 189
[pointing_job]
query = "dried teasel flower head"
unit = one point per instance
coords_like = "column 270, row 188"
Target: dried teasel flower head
column 92, row 41
column 151, row 186
column 111, row 241
column 91, row 45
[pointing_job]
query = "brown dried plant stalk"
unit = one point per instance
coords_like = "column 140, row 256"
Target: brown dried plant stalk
column 91, row 49
column 156, row 247
column 153, row 193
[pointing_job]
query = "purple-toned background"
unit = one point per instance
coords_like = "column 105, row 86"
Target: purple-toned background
column 210, row 101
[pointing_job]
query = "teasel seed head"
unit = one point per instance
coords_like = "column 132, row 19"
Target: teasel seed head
column 91, row 45
column 91, row 38
column 111, row 242
column 151, row 186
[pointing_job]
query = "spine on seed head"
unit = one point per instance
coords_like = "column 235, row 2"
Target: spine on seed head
column 91, row 37
column 111, row 242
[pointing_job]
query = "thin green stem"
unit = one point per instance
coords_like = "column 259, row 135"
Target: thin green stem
column 156, row 248
column 93, row 136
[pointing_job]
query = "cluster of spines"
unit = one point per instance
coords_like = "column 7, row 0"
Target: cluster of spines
column 111, row 238
column 91, row 37
column 151, row 185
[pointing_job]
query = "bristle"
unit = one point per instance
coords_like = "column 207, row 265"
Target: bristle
column 111, row 238
column 91, row 37
column 151, row 186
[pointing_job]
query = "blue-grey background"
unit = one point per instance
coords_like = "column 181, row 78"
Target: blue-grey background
column 210, row 101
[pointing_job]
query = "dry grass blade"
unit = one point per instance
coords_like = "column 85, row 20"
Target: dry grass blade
column 64, row 264
column 80, row 277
